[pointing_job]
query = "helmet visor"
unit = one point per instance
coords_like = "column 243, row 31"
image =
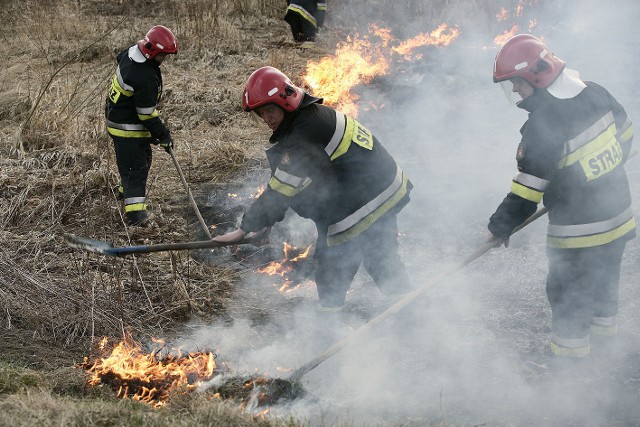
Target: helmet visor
column 512, row 97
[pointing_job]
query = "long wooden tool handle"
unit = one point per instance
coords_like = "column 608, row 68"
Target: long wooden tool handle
column 107, row 248
column 192, row 202
column 408, row 299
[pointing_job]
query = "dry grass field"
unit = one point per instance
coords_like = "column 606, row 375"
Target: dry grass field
column 57, row 171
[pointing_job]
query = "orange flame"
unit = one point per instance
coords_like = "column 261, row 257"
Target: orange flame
column 146, row 377
column 502, row 38
column 258, row 192
column 441, row 36
column 283, row 268
column 359, row 59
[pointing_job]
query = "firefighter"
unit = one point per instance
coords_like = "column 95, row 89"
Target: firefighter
column 329, row 168
column 305, row 17
column 132, row 116
column 571, row 155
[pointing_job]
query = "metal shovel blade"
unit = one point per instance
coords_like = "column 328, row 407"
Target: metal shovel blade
column 85, row 244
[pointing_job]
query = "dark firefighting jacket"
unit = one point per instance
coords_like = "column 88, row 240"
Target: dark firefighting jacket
column 131, row 105
column 313, row 11
column 571, row 157
column 329, row 168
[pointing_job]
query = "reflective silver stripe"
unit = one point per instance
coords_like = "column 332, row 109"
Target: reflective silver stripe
column 341, row 123
column 292, row 180
column 134, row 200
column 146, row 110
column 604, row 321
column 627, row 124
column 626, row 132
column 570, row 342
column 531, row 181
column 302, row 11
column 590, row 134
column 125, row 126
column 121, row 82
column 361, row 213
column 591, row 228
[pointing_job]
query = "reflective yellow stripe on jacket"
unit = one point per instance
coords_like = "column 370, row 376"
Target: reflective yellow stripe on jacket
column 131, row 130
column 288, row 184
column 347, row 131
column 529, row 187
column 361, row 219
column 597, row 149
column 304, row 13
column 592, row 234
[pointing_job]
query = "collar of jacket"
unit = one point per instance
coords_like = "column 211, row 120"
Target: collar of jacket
column 535, row 101
column 290, row 116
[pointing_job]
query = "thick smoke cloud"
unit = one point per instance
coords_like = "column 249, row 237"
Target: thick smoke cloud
column 456, row 354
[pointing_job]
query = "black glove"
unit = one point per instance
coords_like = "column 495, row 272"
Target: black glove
column 166, row 143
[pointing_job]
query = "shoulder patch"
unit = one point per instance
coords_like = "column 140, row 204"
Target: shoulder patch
column 285, row 159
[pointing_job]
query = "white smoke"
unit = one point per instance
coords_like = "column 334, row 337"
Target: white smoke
column 456, row 354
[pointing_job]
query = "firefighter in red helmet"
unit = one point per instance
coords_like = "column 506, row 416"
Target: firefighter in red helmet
column 329, row 168
column 571, row 157
column 305, row 17
column 132, row 116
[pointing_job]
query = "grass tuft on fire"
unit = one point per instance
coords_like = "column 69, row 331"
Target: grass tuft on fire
column 58, row 172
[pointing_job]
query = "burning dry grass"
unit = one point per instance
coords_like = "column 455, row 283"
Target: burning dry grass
column 57, row 171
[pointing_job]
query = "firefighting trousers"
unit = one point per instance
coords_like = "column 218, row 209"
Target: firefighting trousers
column 582, row 288
column 301, row 29
column 376, row 249
column 133, row 156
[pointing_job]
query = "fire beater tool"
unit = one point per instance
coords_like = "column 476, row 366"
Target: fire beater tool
column 107, row 248
column 192, row 202
column 409, row 298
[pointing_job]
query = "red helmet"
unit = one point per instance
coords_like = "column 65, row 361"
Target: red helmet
column 159, row 39
column 269, row 85
column 527, row 57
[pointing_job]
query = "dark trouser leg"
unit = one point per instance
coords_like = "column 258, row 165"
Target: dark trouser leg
column 582, row 287
column 607, row 281
column 381, row 257
column 133, row 157
column 570, row 295
column 301, row 29
column 337, row 265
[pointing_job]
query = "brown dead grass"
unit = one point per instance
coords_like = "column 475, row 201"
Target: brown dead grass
column 57, row 171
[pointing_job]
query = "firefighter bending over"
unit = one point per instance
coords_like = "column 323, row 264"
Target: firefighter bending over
column 305, row 17
column 331, row 169
column 132, row 116
column 571, row 156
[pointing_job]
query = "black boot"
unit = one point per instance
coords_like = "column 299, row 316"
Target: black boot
column 138, row 219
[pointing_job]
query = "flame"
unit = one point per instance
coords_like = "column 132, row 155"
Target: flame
column 502, row 38
column 441, row 36
column 359, row 59
column 284, row 267
column 515, row 28
column 145, row 376
column 356, row 61
column 258, row 192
